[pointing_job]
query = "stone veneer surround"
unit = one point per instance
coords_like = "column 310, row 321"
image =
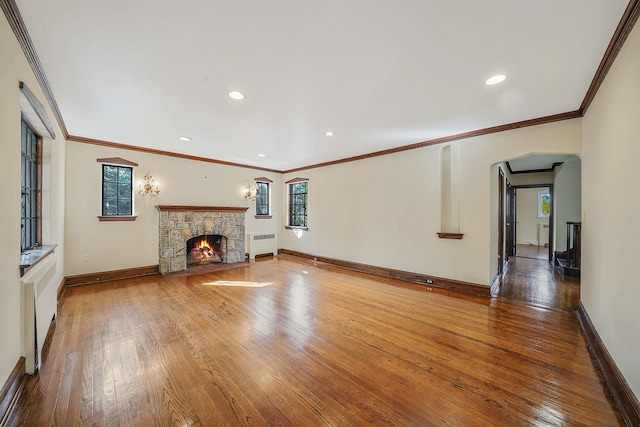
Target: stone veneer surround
column 177, row 224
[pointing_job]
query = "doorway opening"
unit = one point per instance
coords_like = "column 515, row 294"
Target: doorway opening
column 532, row 208
column 536, row 196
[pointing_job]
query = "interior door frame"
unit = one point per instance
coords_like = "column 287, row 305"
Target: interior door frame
column 510, row 221
column 501, row 220
column 551, row 234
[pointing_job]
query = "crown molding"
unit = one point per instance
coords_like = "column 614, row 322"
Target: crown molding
column 91, row 141
column 479, row 132
column 626, row 24
column 10, row 9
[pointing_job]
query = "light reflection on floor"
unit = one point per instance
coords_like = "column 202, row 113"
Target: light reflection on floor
column 295, row 321
column 239, row 284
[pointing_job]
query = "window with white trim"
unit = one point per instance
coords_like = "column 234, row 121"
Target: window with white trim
column 31, row 152
column 298, row 204
column 263, row 199
column 117, row 190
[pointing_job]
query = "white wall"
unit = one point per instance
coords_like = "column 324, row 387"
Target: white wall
column 93, row 246
column 13, row 69
column 527, row 216
column 567, row 194
column 610, row 288
column 385, row 210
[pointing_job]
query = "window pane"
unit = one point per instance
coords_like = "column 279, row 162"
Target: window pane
column 124, row 174
column 26, row 175
column 24, row 137
column 27, row 135
column 27, row 232
column 34, row 204
column 34, row 176
column 110, row 207
column 34, row 231
column 109, row 191
column 124, row 191
column 109, row 173
column 124, row 207
column 27, row 205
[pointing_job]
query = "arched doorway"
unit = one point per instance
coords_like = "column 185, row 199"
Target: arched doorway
column 537, row 195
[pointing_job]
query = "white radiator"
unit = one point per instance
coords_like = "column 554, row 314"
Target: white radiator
column 543, row 234
column 261, row 244
column 38, row 310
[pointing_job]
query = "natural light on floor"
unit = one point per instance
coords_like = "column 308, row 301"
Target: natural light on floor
column 240, row 284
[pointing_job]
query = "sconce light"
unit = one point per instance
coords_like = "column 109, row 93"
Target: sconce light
column 250, row 193
column 150, row 187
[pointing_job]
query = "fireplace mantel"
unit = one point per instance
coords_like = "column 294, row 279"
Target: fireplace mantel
column 174, row 208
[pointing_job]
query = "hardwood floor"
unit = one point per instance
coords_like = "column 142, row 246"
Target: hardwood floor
column 532, row 251
column 285, row 342
column 535, row 281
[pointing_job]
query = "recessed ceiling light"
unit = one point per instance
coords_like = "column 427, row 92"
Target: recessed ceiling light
column 498, row 78
column 262, row 155
column 184, row 138
column 234, row 94
column 328, row 133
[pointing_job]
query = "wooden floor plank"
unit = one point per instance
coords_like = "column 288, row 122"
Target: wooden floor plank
column 284, row 342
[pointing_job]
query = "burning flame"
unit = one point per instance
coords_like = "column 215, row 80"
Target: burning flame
column 204, row 250
column 203, row 244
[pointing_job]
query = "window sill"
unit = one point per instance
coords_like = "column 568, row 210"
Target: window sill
column 117, row 218
column 31, row 257
column 264, row 216
column 455, row 236
column 289, row 227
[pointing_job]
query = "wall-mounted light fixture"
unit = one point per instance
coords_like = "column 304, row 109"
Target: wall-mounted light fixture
column 150, row 187
column 250, row 193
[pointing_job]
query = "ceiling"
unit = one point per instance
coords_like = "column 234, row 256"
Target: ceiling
column 379, row 74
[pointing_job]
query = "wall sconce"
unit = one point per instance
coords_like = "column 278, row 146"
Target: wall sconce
column 250, row 193
column 150, row 186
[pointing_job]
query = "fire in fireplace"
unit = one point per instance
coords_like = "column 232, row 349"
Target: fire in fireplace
column 202, row 250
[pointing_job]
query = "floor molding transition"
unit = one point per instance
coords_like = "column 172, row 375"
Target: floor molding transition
column 11, row 390
column 389, row 273
column 621, row 393
column 106, row 276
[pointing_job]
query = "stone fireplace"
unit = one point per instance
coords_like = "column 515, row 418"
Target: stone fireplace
column 182, row 230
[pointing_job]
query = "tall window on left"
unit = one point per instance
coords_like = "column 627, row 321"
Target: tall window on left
column 117, row 190
column 31, row 187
